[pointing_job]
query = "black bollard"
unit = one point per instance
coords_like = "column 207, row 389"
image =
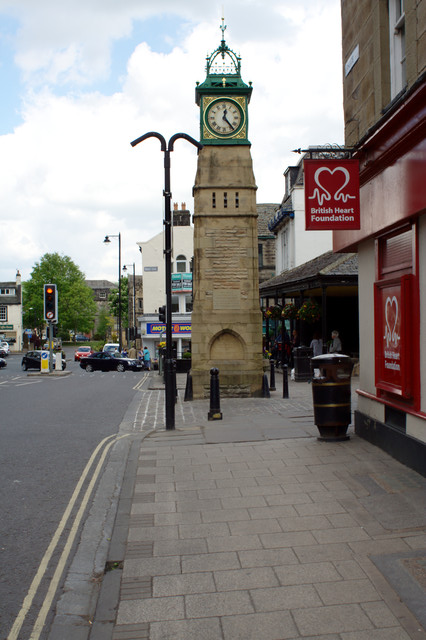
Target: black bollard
column 214, row 413
column 188, row 389
column 272, row 386
column 265, row 387
column 285, row 381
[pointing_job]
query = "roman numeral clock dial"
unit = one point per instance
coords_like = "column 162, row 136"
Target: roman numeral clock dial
column 224, row 118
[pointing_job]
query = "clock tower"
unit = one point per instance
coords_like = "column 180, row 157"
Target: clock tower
column 226, row 317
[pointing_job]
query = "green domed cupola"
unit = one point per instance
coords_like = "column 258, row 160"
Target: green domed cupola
column 223, row 98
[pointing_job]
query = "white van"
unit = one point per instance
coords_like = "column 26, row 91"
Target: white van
column 111, row 347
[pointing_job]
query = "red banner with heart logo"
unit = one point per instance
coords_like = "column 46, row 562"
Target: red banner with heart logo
column 332, row 194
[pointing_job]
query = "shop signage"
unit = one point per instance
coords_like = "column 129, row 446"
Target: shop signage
column 6, row 327
column 393, row 306
column 157, row 328
column 181, row 282
column 331, row 194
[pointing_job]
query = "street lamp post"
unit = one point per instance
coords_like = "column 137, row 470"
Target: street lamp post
column 125, row 266
column 107, row 240
column 168, row 363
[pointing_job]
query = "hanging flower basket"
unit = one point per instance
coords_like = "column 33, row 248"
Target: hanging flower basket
column 310, row 311
column 273, row 312
column 290, row 311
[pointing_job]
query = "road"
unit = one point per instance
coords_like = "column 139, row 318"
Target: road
column 49, row 428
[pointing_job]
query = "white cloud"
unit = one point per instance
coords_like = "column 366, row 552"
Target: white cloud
column 70, row 175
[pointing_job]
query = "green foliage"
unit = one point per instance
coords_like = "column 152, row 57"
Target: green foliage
column 76, row 306
column 113, row 301
column 104, row 322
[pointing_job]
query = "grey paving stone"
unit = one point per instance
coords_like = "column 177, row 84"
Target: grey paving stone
column 259, row 626
column 240, row 528
column 234, row 543
column 210, row 562
column 380, row 614
column 153, row 533
column 285, row 511
column 151, row 609
column 267, row 557
column 343, row 534
column 179, row 547
column 323, row 552
column 311, row 573
column 188, row 517
column 289, row 597
column 203, row 530
column 396, row 633
column 345, row 592
column 224, row 515
column 205, row 629
column 292, row 539
column 249, row 578
column 184, row 584
column 332, row 619
column 221, row 604
column 304, row 523
column 151, row 567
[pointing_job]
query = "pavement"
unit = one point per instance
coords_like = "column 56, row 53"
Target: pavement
column 250, row 527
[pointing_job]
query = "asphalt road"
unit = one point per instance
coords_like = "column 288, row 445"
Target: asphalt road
column 49, row 428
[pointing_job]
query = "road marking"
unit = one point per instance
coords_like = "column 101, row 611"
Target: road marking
column 138, row 386
column 38, row 627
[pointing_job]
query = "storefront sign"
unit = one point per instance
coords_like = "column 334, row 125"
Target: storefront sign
column 181, row 282
column 157, row 328
column 393, row 308
column 331, row 194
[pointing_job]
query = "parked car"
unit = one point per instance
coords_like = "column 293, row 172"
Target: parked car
column 32, row 359
column 3, row 363
column 82, row 352
column 106, row 361
column 4, row 346
column 3, row 353
column 81, row 338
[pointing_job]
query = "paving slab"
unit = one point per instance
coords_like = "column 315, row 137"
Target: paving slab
column 252, row 528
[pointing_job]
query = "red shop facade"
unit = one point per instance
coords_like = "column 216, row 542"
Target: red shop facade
column 391, row 246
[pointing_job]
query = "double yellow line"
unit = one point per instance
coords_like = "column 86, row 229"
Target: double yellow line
column 103, row 446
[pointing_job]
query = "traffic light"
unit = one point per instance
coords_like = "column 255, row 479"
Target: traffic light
column 50, row 303
column 162, row 314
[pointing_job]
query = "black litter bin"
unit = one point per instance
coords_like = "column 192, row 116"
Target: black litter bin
column 331, row 391
column 302, row 363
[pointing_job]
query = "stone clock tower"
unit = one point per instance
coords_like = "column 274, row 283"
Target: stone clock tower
column 226, row 317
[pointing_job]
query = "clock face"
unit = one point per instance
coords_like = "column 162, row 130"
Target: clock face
column 224, row 117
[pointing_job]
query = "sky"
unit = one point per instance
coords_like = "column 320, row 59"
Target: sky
column 80, row 80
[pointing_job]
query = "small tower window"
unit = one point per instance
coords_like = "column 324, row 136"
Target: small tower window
column 225, row 200
column 237, row 199
column 214, row 200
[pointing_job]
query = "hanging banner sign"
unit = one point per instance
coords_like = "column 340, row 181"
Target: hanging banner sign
column 331, row 194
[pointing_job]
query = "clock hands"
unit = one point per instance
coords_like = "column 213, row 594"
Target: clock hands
column 225, row 119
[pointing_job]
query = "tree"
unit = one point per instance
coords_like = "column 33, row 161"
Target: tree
column 104, row 322
column 76, row 306
column 113, row 302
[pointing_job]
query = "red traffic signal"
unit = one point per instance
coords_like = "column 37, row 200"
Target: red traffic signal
column 50, row 302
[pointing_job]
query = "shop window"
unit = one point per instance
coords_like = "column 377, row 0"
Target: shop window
column 188, row 303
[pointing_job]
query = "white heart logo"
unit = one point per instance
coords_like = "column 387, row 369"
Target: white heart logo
column 391, row 335
column 321, row 193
